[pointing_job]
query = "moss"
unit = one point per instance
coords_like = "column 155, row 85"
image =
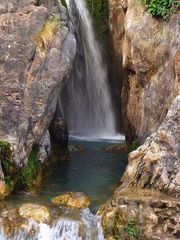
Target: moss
column 6, row 162
column 131, row 229
column 99, row 13
column 9, row 183
column 29, row 172
column 44, row 38
column 63, row 3
column 133, row 146
column 5, row 156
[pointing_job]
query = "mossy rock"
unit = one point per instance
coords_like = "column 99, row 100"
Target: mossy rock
column 30, row 171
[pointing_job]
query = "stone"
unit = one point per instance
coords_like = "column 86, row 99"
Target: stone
column 154, row 216
column 59, row 132
column 38, row 213
column 149, row 193
column 73, row 200
column 76, row 148
column 116, row 148
column 146, row 55
column 31, row 81
column 156, row 164
column 4, row 191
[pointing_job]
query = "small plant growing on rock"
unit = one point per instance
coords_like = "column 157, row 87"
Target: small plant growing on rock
column 44, row 38
column 29, row 172
column 162, row 8
column 130, row 229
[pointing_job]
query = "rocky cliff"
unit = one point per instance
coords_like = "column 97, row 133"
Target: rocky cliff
column 147, row 49
column 146, row 203
column 36, row 52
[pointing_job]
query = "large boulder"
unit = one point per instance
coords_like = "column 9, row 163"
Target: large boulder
column 36, row 53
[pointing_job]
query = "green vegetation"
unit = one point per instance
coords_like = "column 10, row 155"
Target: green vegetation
column 131, row 229
column 99, row 13
column 5, row 156
column 162, row 8
column 63, row 2
column 44, row 38
column 39, row 2
column 10, row 183
column 5, row 159
column 133, row 146
column 28, row 173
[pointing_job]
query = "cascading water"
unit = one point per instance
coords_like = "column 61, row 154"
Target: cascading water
column 85, row 101
column 82, row 226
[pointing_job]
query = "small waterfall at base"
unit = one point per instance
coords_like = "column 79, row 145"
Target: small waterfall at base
column 85, row 101
column 83, row 227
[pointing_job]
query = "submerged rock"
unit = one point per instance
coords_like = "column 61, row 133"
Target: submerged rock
column 76, row 148
column 73, row 200
column 116, row 148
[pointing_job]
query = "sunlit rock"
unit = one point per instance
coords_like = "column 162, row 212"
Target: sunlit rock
column 73, row 200
column 36, row 212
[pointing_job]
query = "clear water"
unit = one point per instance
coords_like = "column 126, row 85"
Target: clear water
column 93, row 171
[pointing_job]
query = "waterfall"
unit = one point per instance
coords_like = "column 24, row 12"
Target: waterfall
column 83, row 227
column 85, row 101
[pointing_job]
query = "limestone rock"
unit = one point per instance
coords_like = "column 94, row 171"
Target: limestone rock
column 156, row 164
column 147, row 49
column 73, row 200
column 36, row 212
column 31, row 81
column 4, row 191
column 151, row 175
column 148, row 214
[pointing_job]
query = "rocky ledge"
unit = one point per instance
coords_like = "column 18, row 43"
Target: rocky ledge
column 146, row 204
column 36, row 53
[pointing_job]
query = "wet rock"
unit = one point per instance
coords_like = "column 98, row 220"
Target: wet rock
column 116, row 148
column 59, row 132
column 73, row 200
column 36, row 212
column 4, row 191
column 76, row 148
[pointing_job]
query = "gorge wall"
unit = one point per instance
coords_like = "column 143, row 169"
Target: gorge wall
column 146, row 50
column 146, row 53
column 36, row 53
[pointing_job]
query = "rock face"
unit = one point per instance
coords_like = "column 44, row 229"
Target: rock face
column 31, row 72
column 148, row 51
column 152, row 174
